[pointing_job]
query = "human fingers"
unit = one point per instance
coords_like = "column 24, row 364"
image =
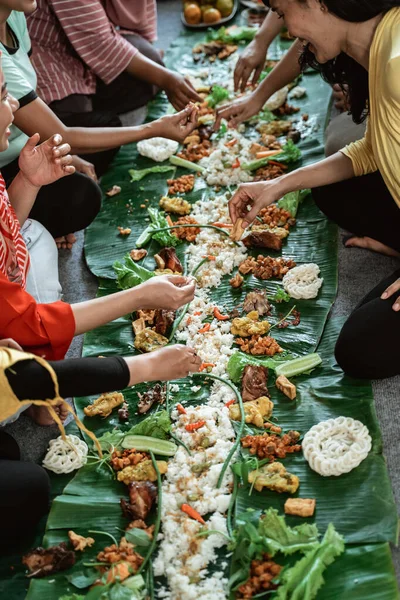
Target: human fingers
column 32, row 141
column 54, row 140
column 238, row 203
column 10, row 343
column 64, row 160
column 245, row 77
column 392, row 289
column 68, row 170
column 190, row 91
column 251, row 215
column 61, row 150
column 224, row 112
column 257, row 73
column 237, row 75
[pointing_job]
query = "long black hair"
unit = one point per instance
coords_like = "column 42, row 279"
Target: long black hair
column 343, row 69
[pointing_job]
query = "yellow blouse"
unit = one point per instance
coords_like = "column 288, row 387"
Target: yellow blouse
column 380, row 148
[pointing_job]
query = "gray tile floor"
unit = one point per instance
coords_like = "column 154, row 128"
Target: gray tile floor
column 359, row 271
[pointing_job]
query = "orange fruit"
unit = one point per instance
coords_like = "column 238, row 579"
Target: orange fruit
column 192, row 13
column 225, row 7
column 212, row 15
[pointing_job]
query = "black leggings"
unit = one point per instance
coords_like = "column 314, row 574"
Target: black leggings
column 24, row 486
column 65, row 206
column 368, row 345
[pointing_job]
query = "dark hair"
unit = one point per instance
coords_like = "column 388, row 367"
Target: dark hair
column 343, row 69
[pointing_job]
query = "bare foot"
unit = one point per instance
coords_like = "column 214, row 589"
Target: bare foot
column 40, row 415
column 65, row 242
column 371, row 244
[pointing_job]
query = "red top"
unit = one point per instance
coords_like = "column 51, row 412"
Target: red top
column 73, row 41
column 43, row 329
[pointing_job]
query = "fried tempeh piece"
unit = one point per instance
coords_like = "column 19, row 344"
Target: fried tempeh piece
column 237, row 230
column 286, row 387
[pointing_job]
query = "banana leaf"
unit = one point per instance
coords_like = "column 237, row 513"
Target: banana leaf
column 104, row 245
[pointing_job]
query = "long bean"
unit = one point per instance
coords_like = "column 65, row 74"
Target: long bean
column 158, row 517
column 241, row 426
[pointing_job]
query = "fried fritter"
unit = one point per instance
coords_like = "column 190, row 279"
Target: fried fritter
column 236, row 281
column 104, row 405
column 275, row 477
column 256, row 411
column 178, row 206
column 250, row 325
column 79, row 542
column 125, row 551
column 148, row 340
column 143, row 471
column 301, row 507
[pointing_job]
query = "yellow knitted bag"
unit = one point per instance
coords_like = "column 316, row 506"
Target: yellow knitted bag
column 10, row 404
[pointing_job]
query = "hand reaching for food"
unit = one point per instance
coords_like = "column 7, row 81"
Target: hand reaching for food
column 169, row 363
column 256, row 195
column 178, row 126
column 251, row 61
column 166, row 291
column 180, row 91
column 238, row 111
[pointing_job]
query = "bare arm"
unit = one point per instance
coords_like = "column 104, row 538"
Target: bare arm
column 284, row 72
column 253, row 57
column 22, row 196
column 261, row 194
column 159, row 292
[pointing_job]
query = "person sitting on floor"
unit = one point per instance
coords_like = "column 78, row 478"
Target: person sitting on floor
column 70, row 205
column 24, row 486
column 353, row 43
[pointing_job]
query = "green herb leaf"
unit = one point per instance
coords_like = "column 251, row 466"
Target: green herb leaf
column 120, row 592
column 138, row 537
column 157, row 426
column 158, row 221
column 111, row 439
column 304, row 579
column 138, row 174
column 82, row 579
column 280, row 296
column 218, row 95
column 290, row 153
column 129, row 274
column 233, row 34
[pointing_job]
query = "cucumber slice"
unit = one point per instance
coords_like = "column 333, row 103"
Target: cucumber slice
column 298, row 365
column 186, row 164
column 145, row 443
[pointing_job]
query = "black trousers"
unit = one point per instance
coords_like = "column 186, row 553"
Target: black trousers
column 24, row 486
column 124, row 94
column 66, row 206
column 368, row 345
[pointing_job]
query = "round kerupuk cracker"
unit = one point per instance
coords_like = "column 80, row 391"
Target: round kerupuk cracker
column 65, row 456
column 336, row 446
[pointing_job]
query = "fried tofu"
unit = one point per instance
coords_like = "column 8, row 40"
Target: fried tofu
column 274, row 477
column 256, row 411
column 301, row 507
column 286, row 387
column 104, row 405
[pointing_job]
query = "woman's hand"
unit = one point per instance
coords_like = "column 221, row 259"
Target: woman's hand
column 44, row 164
column 10, row 343
column 84, row 166
column 176, row 127
column 238, row 111
column 392, row 289
column 171, row 362
column 257, row 195
column 166, row 291
column 179, row 90
column 251, row 59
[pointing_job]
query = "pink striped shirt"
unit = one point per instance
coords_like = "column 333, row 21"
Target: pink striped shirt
column 74, row 41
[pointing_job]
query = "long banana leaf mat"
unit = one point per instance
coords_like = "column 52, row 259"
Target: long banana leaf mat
column 225, row 523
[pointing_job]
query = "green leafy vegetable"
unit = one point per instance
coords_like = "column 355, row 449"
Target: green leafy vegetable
column 111, row 439
column 238, row 361
column 290, row 153
column 279, row 537
column 304, row 579
column 280, row 296
column 138, row 174
column 129, row 274
column 138, row 537
column 158, row 221
column 221, row 132
column 121, row 592
column 82, row 579
column 263, row 115
column 157, row 425
column 218, row 94
column 292, row 201
column 232, row 34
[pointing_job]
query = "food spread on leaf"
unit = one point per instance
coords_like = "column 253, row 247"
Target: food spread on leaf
column 104, row 405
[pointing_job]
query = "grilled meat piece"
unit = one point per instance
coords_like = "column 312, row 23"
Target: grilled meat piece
column 46, row 561
column 263, row 239
column 258, row 301
column 163, row 320
column 254, row 382
column 171, row 260
column 141, row 497
column 146, row 400
column 236, row 281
